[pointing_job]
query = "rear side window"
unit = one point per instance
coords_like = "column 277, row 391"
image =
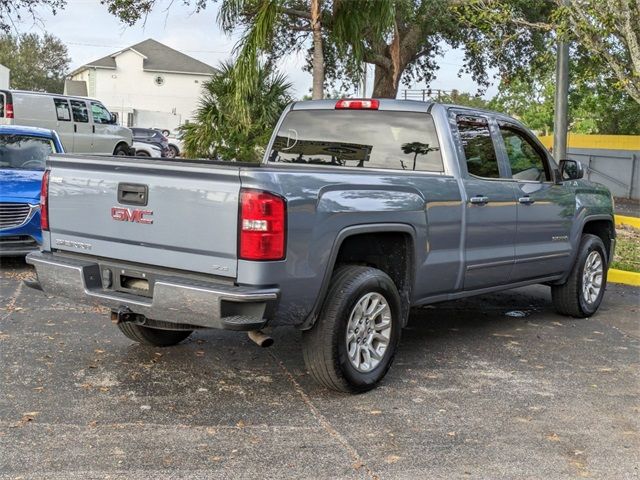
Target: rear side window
column 80, row 111
column 359, row 138
column 62, row 109
column 479, row 151
column 3, row 100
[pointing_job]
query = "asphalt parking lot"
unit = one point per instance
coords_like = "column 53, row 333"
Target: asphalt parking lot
column 493, row 387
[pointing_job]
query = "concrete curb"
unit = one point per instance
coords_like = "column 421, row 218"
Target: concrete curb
column 631, row 221
column 621, row 276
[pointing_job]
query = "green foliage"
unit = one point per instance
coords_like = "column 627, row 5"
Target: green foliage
column 217, row 131
column 596, row 106
column 36, row 63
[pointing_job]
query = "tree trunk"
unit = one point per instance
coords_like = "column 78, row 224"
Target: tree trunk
column 384, row 83
column 318, row 55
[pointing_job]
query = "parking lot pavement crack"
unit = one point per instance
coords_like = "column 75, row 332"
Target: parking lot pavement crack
column 358, row 461
column 12, row 302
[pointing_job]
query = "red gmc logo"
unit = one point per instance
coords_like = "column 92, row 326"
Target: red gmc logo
column 134, row 215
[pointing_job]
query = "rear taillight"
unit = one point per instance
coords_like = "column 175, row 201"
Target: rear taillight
column 8, row 110
column 262, row 225
column 358, row 104
column 44, row 201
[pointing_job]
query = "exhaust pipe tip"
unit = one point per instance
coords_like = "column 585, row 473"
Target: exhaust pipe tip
column 260, row 338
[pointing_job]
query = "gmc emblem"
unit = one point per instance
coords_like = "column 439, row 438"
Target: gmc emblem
column 122, row 214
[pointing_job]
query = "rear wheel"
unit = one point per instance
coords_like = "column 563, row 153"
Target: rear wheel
column 152, row 336
column 582, row 293
column 352, row 344
column 142, row 153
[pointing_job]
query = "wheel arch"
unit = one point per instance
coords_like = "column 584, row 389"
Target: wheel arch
column 401, row 272
column 601, row 225
column 120, row 144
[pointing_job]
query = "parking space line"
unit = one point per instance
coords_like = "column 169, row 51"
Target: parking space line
column 358, row 461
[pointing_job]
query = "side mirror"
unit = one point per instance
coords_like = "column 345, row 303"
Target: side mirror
column 114, row 118
column 571, row 170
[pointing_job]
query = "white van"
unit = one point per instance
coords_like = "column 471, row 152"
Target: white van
column 84, row 125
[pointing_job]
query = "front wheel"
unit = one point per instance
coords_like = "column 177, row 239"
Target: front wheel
column 152, row 336
column 582, row 293
column 172, row 152
column 352, row 344
column 121, row 150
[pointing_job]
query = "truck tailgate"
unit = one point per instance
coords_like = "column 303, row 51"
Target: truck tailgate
column 169, row 213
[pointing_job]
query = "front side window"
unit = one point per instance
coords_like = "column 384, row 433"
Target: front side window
column 100, row 113
column 525, row 160
column 477, row 144
column 62, row 109
column 80, row 112
column 24, row 152
column 359, row 138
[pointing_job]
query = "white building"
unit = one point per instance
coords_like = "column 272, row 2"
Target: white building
column 4, row 77
column 147, row 85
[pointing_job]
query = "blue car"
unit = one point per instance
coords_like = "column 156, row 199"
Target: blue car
column 23, row 152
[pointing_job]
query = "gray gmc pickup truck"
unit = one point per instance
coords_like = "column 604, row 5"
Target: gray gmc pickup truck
column 360, row 210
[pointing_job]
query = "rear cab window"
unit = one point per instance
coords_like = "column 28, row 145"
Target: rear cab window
column 375, row 139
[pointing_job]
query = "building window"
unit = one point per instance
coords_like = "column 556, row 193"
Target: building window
column 159, row 80
column 130, row 119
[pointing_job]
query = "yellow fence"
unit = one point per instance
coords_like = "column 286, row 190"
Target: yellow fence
column 608, row 142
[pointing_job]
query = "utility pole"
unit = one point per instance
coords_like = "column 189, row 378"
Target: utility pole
column 561, row 120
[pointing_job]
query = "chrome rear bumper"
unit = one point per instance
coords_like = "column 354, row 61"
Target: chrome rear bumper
column 174, row 300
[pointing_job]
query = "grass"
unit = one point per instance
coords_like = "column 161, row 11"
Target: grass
column 627, row 255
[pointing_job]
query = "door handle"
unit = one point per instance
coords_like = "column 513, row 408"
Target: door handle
column 479, row 200
column 526, row 200
column 93, row 129
column 75, row 128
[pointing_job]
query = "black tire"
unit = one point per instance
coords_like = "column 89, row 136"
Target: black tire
column 153, row 336
column 324, row 345
column 568, row 298
column 142, row 153
column 121, row 150
column 172, row 152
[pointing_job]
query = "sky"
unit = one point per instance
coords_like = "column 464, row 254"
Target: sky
column 91, row 32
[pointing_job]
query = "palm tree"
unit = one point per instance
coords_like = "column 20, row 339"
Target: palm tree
column 217, row 131
column 346, row 22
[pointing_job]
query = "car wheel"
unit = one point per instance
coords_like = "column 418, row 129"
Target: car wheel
column 172, row 152
column 152, row 336
column 142, row 153
column 581, row 295
column 121, row 151
column 352, row 344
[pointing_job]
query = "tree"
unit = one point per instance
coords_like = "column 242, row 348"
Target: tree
column 36, row 63
column 605, row 32
column 13, row 11
column 595, row 105
column 217, row 132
